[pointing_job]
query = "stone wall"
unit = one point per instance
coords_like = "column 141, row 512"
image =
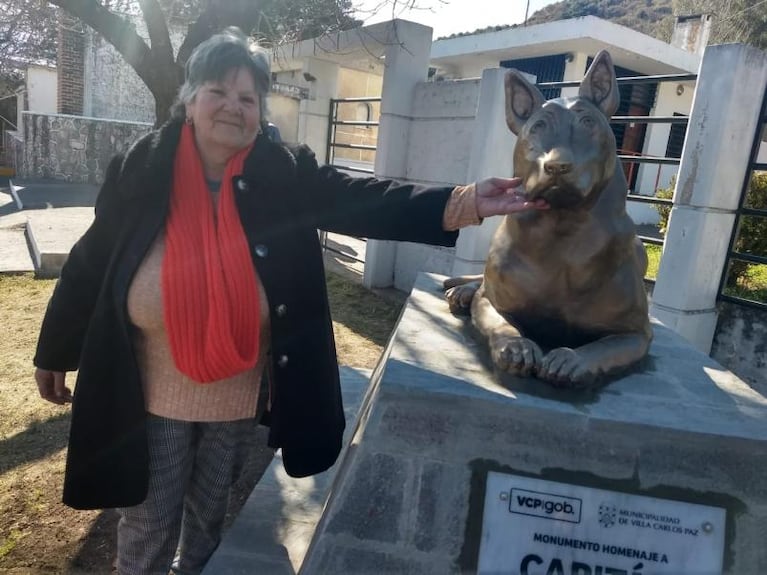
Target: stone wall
column 740, row 343
column 13, row 146
column 74, row 148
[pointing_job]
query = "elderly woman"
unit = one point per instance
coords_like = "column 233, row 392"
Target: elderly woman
column 201, row 273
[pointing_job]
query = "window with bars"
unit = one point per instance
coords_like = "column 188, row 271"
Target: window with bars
column 544, row 68
column 676, row 139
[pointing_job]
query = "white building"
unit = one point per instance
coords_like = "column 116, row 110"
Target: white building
column 38, row 92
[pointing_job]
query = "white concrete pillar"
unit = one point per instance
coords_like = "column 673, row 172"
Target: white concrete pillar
column 313, row 114
column 720, row 135
column 406, row 63
column 492, row 151
column 575, row 70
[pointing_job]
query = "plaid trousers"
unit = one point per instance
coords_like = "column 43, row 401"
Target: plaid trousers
column 192, row 467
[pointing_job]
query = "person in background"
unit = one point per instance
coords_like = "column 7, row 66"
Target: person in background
column 200, row 276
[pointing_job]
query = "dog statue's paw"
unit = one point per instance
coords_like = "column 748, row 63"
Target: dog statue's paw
column 567, row 367
column 515, row 355
column 459, row 297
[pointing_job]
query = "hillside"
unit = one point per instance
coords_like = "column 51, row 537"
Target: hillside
column 652, row 17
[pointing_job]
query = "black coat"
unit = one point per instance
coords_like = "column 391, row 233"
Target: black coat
column 282, row 197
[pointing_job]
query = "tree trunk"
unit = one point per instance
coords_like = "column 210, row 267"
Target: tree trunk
column 162, row 106
column 164, row 84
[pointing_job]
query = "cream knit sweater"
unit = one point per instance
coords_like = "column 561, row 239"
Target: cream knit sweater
column 168, row 392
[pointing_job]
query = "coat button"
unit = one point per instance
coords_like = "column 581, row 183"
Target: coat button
column 262, row 251
column 282, row 310
column 242, row 185
column 282, row 361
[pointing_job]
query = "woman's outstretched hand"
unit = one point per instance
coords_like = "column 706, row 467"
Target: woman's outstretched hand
column 500, row 196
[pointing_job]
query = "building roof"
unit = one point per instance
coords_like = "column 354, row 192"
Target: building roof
column 363, row 48
column 589, row 34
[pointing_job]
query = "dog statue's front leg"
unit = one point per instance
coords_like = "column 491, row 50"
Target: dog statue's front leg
column 459, row 292
column 511, row 352
column 585, row 365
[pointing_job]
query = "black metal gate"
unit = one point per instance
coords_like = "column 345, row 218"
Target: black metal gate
column 353, row 126
column 745, row 272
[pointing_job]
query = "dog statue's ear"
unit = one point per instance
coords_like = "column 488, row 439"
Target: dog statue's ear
column 600, row 86
column 522, row 100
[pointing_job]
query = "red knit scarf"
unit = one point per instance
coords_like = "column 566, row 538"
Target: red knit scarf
column 209, row 290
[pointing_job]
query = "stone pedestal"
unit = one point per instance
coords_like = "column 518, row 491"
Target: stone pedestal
column 424, row 487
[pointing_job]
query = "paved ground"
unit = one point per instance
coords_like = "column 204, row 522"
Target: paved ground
column 14, row 252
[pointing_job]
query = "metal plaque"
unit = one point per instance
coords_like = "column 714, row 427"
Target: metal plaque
column 538, row 527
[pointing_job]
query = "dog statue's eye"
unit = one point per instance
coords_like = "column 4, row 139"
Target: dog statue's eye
column 538, row 126
column 587, row 121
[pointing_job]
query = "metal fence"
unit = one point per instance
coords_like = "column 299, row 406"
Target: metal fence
column 362, row 129
column 747, row 255
column 333, row 132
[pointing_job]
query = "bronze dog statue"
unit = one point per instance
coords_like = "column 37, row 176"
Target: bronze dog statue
column 568, row 280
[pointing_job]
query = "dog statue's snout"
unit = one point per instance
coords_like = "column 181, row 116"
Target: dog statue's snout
column 557, row 168
column 558, row 162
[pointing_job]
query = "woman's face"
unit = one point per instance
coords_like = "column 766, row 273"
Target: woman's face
column 226, row 115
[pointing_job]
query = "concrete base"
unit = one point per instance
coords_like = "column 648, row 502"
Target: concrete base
column 51, row 235
column 409, row 495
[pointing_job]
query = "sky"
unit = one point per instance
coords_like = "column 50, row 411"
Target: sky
column 451, row 16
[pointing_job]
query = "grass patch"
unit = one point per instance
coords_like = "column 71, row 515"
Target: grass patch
column 752, row 285
column 359, row 313
column 10, row 542
column 653, row 260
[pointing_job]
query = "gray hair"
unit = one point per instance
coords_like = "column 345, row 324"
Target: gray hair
column 214, row 58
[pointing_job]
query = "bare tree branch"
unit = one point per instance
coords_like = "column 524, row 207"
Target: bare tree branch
column 217, row 15
column 162, row 49
column 28, row 30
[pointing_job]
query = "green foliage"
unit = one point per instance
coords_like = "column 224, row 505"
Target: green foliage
column 732, row 20
column 742, row 21
column 284, row 21
column 751, row 285
column 27, row 34
column 664, row 210
column 743, row 279
column 653, row 260
column 651, row 17
column 751, row 237
column 10, row 542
